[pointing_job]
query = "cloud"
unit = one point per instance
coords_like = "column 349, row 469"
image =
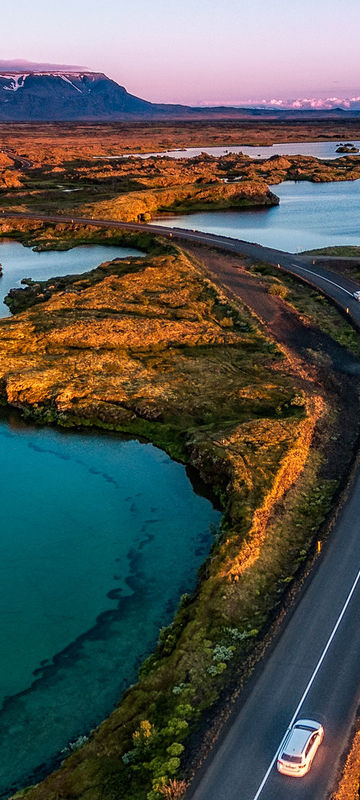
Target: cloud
column 305, row 103
column 299, row 103
column 21, row 65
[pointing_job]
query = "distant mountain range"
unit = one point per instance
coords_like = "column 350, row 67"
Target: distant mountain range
column 50, row 93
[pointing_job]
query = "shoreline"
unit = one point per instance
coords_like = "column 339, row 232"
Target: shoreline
column 63, row 420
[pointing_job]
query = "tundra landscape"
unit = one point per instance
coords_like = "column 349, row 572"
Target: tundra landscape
column 180, row 401
column 241, row 372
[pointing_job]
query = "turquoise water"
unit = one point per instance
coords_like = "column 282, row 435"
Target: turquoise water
column 310, row 215
column 21, row 262
column 100, row 536
column 317, row 149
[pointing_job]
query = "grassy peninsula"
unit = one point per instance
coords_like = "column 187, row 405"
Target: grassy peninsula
column 154, row 348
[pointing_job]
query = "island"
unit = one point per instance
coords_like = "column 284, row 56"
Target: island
column 347, row 148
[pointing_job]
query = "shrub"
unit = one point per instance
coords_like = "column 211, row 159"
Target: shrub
column 175, row 790
column 279, row 290
column 222, row 653
column 175, row 749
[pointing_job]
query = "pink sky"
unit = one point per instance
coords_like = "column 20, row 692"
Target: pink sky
column 198, row 53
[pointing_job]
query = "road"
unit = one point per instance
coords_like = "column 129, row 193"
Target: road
column 339, row 288
column 242, row 766
column 19, row 161
column 314, row 669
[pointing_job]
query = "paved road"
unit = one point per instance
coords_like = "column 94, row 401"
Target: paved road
column 314, row 669
column 246, row 754
column 20, row 161
column 337, row 287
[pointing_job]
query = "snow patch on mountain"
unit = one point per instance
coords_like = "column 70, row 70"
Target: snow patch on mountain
column 16, row 81
column 67, row 80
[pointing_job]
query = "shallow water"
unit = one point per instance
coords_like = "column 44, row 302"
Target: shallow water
column 21, row 262
column 310, row 215
column 317, row 149
column 100, row 537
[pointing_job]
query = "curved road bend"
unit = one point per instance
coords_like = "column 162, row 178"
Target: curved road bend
column 314, row 669
column 337, row 287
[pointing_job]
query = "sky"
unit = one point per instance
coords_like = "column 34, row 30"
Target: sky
column 199, row 52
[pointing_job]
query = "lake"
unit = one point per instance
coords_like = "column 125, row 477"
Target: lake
column 21, row 262
column 100, row 536
column 310, row 215
column 317, row 149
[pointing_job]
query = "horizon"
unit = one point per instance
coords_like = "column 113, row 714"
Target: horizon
column 253, row 56
column 322, row 101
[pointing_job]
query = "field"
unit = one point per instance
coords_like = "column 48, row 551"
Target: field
column 46, row 142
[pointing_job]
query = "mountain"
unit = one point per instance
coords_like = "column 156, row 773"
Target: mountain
column 58, row 96
column 53, row 94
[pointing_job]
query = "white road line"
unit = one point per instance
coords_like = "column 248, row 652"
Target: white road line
column 309, row 685
column 322, row 278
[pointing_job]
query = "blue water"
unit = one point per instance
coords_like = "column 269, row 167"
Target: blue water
column 21, row 262
column 310, row 215
column 317, row 149
column 100, row 537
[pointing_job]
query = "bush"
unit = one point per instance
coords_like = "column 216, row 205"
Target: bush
column 279, row 290
column 175, row 790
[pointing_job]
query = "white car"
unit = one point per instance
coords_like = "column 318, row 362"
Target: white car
column 356, row 295
column 298, row 750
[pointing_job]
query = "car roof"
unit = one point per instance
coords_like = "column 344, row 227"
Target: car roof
column 296, row 742
column 299, row 736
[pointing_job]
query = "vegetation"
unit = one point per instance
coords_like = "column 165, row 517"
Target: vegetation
column 59, row 142
column 72, row 175
column 64, row 236
column 343, row 251
column 348, row 787
column 153, row 348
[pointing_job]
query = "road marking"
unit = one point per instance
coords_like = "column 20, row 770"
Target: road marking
column 309, row 685
column 322, row 278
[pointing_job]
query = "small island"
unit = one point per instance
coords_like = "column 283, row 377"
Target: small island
column 347, row 148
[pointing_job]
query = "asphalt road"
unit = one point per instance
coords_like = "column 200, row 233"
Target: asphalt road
column 244, row 758
column 314, row 669
column 20, row 161
column 337, row 287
